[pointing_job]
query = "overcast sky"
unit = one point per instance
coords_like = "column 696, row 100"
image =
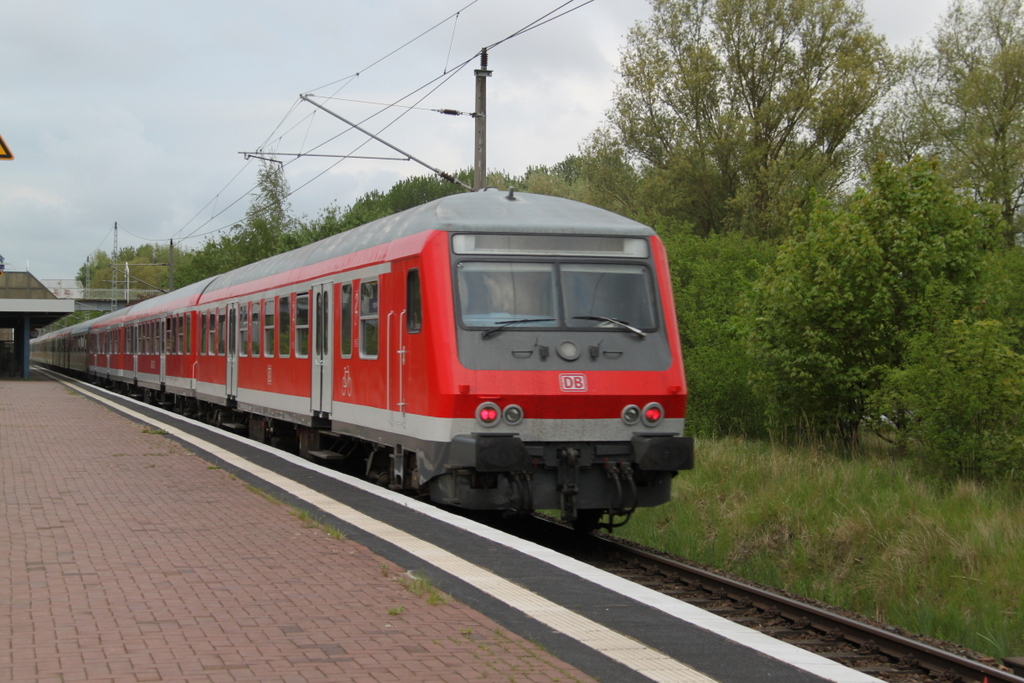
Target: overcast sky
column 135, row 111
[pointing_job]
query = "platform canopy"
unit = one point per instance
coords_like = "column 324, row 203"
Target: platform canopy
column 25, row 305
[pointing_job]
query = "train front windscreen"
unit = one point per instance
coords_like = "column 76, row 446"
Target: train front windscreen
column 554, row 281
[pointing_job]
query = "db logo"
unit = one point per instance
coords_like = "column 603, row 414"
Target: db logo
column 573, row 382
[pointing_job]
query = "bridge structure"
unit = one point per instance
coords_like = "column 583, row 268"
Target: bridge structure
column 26, row 305
column 97, row 299
column 29, row 305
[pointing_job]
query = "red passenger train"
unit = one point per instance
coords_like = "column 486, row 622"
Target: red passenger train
column 496, row 351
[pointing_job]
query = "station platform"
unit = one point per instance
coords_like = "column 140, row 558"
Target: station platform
column 139, row 546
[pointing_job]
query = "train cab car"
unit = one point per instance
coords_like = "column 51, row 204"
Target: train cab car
column 497, row 352
column 490, row 350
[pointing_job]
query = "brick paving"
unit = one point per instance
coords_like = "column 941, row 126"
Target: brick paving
column 124, row 557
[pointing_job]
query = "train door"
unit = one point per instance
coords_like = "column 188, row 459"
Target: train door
column 322, row 380
column 135, row 352
column 397, row 361
column 163, row 324
column 232, row 369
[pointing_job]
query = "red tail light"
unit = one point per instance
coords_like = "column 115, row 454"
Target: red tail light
column 653, row 412
column 488, row 414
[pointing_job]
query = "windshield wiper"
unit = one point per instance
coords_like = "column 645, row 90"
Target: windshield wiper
column 518, row 321
column 614, row 321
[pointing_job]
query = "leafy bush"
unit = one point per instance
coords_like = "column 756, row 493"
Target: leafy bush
column 709, row 276
column 831, row 317
column 963, row 388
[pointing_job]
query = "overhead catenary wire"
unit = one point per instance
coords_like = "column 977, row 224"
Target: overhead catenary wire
column 446, row 78
column 347, row 79
column 196, row 233
column 562, row 10
column 451, row 42
column 399, row 48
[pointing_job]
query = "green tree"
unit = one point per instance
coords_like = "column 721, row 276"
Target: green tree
column 833, row 315
column 710, row 276
column 733, row 110
column 405, row 194
column 964, row 102
column 268, row 219
column 146, row 269
column 1000, row 295
column 266, row 230
column 963, row 387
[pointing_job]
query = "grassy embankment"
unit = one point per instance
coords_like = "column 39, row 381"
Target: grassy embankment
column 865, row 533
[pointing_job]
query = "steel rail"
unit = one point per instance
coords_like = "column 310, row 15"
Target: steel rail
column 936, row 661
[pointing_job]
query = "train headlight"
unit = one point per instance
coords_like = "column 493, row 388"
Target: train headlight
column 568, row 351
column 652, row 414
column 513, row 414
column 488, row 414
column 631, row 415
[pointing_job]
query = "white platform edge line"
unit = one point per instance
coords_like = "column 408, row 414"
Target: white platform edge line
column 777, row 649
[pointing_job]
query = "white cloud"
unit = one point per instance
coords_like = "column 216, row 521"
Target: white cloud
column 135, row 111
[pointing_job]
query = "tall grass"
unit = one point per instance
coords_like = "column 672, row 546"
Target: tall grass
column 865, row 533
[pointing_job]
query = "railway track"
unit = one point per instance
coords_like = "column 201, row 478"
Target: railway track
column 875, row 650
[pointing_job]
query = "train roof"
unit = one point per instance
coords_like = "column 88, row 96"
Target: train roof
column 179, row 298
column 487, row 211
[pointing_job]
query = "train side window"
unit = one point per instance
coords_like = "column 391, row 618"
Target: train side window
column 346, row 320
column 268, row 328
column 256, row 332
column 222, row 336
column 188, row 333
column 203, row 344
column 284, row 326
column 232, row 312
column 302, row 325
column 169, row 335
column 211, row 331
column 413, row 302
column 243, row 330
column 369, row 319
column 181, row 333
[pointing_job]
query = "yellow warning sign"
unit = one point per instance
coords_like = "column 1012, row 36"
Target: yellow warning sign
column 5, row 151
